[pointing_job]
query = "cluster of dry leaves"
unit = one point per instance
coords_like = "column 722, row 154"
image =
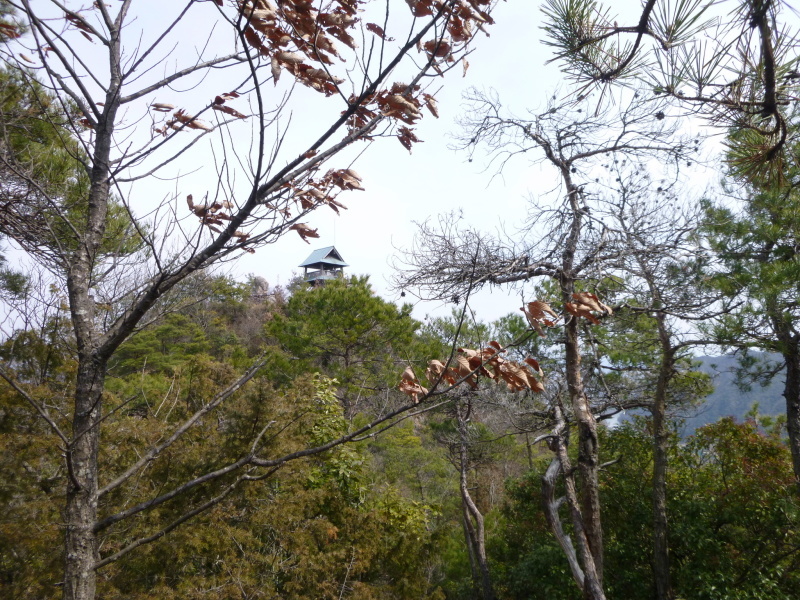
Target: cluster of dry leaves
column 468, row 364
column 181, row 120
column 315, row 193
column 399, row 102
column 300, row 36
column 298, row 32
column 318, row 193
column 584, row 304
column 214, row 216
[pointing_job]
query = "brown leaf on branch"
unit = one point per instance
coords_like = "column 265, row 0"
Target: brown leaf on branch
column 409, row 384
column 10, row 31
column 378, row 30
column 255, row 41
column 592, row 302
column 438, row 48
column 460, row 29
column 290, row 58
column 228, row 111
column 346, row 179
column 580, row 311
column 519, row 378
column 198, row 124
column 78, row 22
column 421, row 8
column 413, row 389
column 335, row 205
column 304, row 231
column 430, row 102
column 534, row 364
column 341, row 34
column 584, row 306
column 180, row 116
column 537, row 312
column 406, row 137
column 342, row 18
column 436, row 370
column 463, row 371
column 408, row 375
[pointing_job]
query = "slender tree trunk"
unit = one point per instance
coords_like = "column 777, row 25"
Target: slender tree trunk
column 588, row 445
column 592, row 584
column 661, row 568
column 468, row 535
column 81, row 507
column 81, row 548
column 789, row 347
column 588, row 450
column 791, row 392
column 472, row 517
column 551, row 506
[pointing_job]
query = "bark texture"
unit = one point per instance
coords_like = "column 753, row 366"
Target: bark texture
column 661, row 559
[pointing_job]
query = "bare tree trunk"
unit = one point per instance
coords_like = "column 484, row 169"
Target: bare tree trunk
column 791, row 392
column 81, row 507
column 472, row 516
column 592, row 585
column 789, row 348
column 588, row 447
column 661, row 562
column 81, row 503
column 468, row 535
column 551, row 506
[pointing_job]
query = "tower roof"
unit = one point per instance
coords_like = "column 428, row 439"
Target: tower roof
column 325, row 256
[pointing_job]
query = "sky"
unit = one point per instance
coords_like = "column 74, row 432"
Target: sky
column 401, row 187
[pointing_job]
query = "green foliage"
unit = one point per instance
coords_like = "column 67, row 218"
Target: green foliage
column 311, row 530
column 465, row 330
column 733, row 519
column 343, row 464
column 38, row 144
column 346, row 332
column 759, row 252
column 331, row 522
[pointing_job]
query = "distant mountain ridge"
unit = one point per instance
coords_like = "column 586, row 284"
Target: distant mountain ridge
column 728, row 400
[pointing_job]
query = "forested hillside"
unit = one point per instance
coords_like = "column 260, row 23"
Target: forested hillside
column 380, row 518
column 171, row 431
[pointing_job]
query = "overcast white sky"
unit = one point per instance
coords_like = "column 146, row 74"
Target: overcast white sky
column 401, row 187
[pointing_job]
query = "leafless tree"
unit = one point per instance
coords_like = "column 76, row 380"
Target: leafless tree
column 115, row 75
